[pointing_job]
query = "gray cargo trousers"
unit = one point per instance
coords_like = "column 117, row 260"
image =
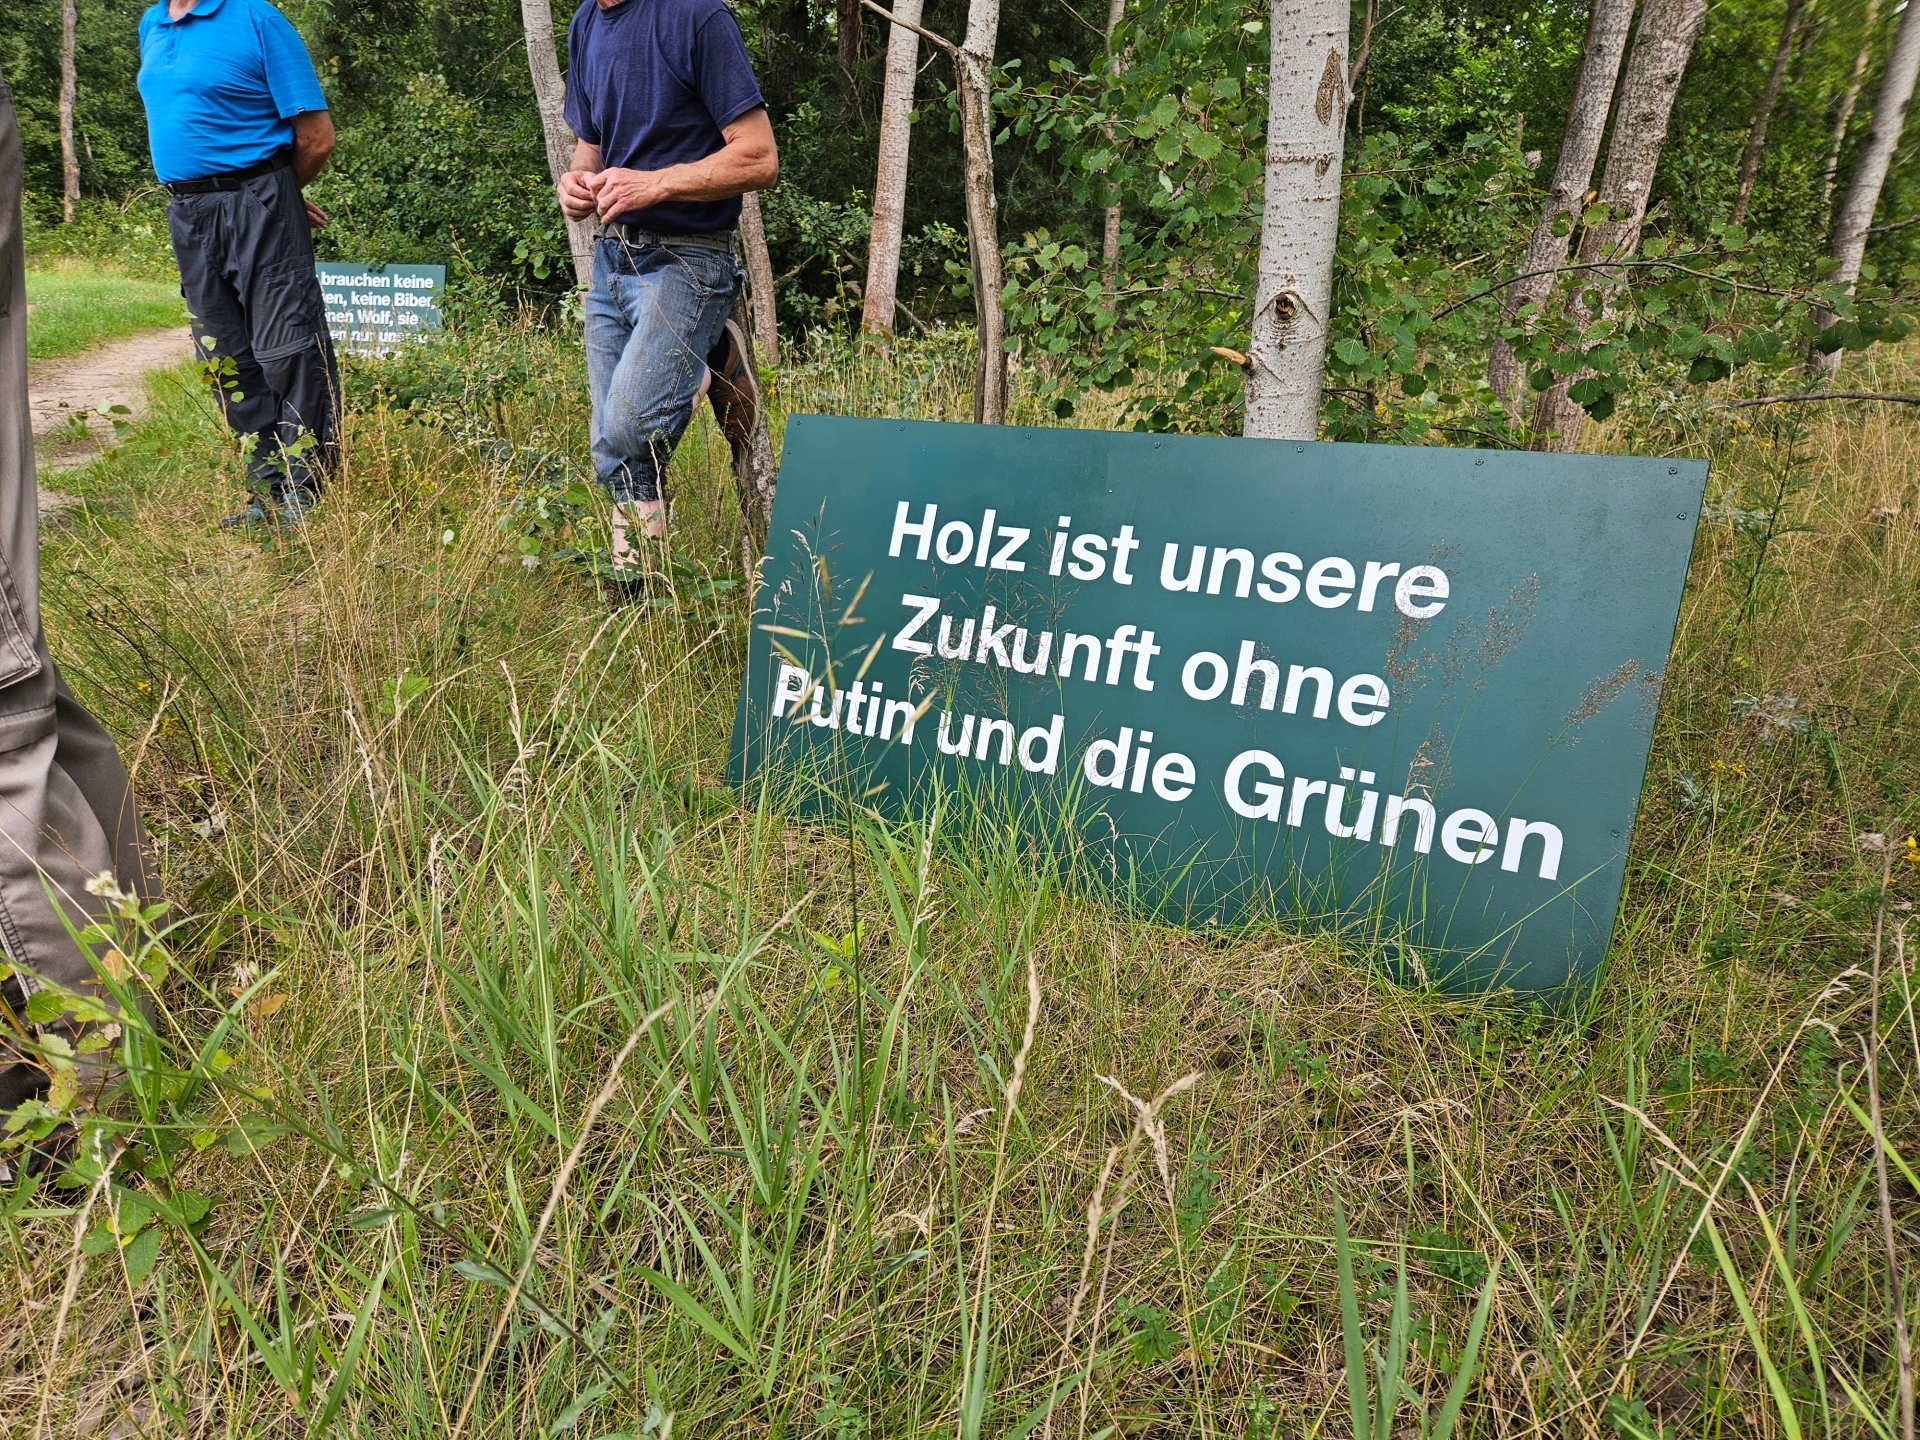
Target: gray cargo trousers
column 66, row 808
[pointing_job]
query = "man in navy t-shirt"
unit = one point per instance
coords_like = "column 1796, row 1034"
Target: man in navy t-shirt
column 238, row 126
column 672, row 131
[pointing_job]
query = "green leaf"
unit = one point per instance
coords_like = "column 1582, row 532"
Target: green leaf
column 691, row 1309
column 350, row 1357
column 46, row 1006
column 141, row 1254
column 570, row 1416
column 1782, row 1399
column 482, row 1272
column 1354, row 1339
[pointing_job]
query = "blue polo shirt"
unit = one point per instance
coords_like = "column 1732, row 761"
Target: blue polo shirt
column 222, row 85
column 652, row 83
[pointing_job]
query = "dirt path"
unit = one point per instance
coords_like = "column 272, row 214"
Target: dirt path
column 111, row 375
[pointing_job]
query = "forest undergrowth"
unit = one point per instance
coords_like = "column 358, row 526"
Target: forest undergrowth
column 509, row 1077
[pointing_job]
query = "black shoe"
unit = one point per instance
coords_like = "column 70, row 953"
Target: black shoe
column 254, row 514
column 627, row 586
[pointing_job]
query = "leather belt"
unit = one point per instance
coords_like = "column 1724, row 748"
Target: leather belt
column 281, row 159
column 721, row 240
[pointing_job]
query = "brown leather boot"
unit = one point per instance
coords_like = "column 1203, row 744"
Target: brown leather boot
column 734, row 393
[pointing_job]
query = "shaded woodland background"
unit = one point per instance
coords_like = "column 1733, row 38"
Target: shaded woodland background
column 441, row 155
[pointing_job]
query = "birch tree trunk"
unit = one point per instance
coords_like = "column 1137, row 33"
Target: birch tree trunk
column 69, row 93
column 550, row 94
column 1608, row 24
column 1870, row 168
column 1300, row 219
column 753, row 237
column 1847, row 104
column 1110, row 242
column 890, row 180
column 1763, row 111
column 1661, row 49
column 973, row 74
column 974, row 64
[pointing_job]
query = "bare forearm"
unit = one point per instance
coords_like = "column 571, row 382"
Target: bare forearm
column 313, row 142
column 722, row 175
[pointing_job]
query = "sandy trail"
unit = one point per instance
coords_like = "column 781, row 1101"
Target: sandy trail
column 110, row 375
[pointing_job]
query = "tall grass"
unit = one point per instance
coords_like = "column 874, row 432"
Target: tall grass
column 508, row 1077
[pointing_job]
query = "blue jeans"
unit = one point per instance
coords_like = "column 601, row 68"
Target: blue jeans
column 653, row 314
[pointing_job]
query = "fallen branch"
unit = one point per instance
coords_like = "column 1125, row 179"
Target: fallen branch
column 927, row 35
column 1829, row 395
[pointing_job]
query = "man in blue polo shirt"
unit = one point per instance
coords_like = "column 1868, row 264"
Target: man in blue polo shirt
column 672, row 132
column 238, row 126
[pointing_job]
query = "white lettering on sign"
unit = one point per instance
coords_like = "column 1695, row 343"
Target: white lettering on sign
column 372, row 311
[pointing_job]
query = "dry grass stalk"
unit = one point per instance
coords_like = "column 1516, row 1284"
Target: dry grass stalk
column 76, row 1262
column 1896, row 1293
column 553, row 1203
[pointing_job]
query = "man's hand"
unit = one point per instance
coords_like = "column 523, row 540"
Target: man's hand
column 748, row 161
column 622, row 190
column 578, row 191
column 317, row 218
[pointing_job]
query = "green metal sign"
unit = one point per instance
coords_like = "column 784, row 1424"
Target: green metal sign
column 1406, row 691
column 375, row 309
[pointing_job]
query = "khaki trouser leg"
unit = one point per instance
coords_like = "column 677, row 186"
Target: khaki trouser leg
column 66, row 808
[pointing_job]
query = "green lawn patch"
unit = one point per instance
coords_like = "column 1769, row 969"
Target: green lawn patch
column 74, row 307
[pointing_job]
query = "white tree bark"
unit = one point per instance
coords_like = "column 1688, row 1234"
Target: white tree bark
column 69, row 94
column 1608, row 24
column 1300, row 221
column 1847, row 103
column 974, row 64
column 1661, row 50
column 550, row 94
column 973, row 74
column 890, row 181
column 753, row 238
column 1876, row 154
column 1110, row 241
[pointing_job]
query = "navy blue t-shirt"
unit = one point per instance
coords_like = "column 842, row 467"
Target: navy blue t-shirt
column 653, row 83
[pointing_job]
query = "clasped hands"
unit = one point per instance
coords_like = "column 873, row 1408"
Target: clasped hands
column 610, row 192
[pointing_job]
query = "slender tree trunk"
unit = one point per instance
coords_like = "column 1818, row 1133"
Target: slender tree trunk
column 890, row 180
column 69, row 93
column 1763, row 111
column 975, row 66
column 1608, row 24
column 1870, row 168
column 973, row 74
column 785, row 32
column 753, row 236
column 550, row 94
column 1300, row 220
column 1110, row 242
column 850, row 37
column 1847, row 103
column 1661, row 49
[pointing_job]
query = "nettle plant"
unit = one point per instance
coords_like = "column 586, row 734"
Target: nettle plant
column 1171, row 126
